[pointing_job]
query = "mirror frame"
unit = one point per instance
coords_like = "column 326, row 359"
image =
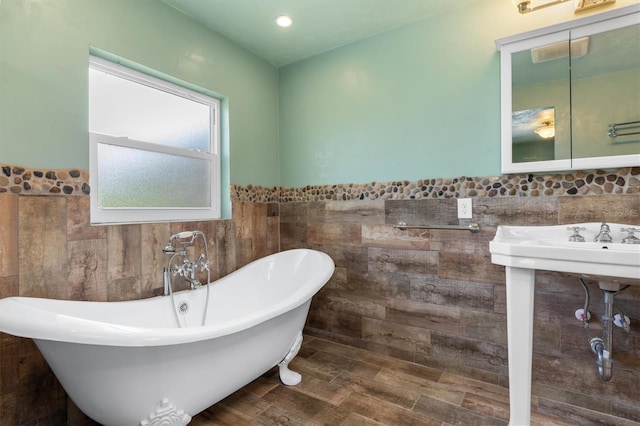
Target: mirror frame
column 594, row 24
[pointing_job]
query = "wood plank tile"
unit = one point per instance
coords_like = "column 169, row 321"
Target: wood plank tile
column 627, row 411
column 263, row 384
column 220, row 415
column 334, row 233
column 344, row 256
column 486, row 406
column 603, row 208
column 571, row 374
column 8, row 235
column 386, row 236
column 223, row 248
column 294, row 402
column 9, row 286
column 405, row 261
column 293, row 233
column 243, row 403
column 43, row 247
column 454, row 415
column 124, row 289
column 278, row 416
column 355, row 419
column 570, row 397
column 477, row 387
column 153, row 238
column 422, row 212
column 323, row 390
column 377, row 284
column 79, row 220
column 424, row 315
column 546, row 337
column 463, row 241
column 348, row 212
column 340, row 300
column 485, row 326
column 366, row 394
column 580, row 416
column 445, row 292
column 370, row 357
column 385, row 412
column 294, row 212
column 400, row 336
column 124, row 251
column 469, row 352
column 87, row 261
column 392, row 393
column 516, row 211
column 424, row 386
column 348, row 324
column 329, row 366
column 470, row 268
column 272, row 236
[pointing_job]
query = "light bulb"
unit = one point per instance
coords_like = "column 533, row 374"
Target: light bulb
column 284, row 21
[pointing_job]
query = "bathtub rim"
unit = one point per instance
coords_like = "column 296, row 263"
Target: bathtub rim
column 46, row 324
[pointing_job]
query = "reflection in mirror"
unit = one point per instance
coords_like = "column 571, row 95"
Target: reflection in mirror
column 540, row 77
column 605, row 89
column 533, row 133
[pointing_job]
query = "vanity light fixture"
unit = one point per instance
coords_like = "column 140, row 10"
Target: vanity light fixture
column 284, row 21
column 526, row 6
column 581, row 5
column 547, row 131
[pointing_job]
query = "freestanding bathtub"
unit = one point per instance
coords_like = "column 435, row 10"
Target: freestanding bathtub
column 129, row 363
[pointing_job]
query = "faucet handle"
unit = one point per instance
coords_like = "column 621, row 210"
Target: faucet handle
column 630, row 239
column 202, row 263
column 576, row 237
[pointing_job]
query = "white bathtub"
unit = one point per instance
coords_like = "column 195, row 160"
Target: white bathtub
column 128, row 363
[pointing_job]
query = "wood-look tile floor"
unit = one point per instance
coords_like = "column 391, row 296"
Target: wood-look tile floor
column 342, row 385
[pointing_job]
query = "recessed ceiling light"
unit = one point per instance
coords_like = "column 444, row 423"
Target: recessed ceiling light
column 284, row 21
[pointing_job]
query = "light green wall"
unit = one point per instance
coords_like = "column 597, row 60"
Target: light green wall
column 416, row 102
column 44, row 48
column 420, row 101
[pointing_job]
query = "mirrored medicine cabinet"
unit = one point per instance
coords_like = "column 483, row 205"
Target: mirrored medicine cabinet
column 570, row 94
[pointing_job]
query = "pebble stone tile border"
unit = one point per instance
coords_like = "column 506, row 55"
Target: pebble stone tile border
column 22, row 180
column 596, row 182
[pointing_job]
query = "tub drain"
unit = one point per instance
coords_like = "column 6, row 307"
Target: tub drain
column 183, row 308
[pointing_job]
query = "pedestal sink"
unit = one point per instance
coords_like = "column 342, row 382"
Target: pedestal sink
column 522, row 250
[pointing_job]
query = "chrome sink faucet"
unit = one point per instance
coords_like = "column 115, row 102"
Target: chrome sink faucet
column 603, row 236
column 576, row 237
column 630, row 239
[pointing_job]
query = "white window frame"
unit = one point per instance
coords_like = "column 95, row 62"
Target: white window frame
column 100, row 215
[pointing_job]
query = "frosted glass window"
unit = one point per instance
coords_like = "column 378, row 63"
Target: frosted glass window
column 129, row 178
column 121, row 107
column 153, row 148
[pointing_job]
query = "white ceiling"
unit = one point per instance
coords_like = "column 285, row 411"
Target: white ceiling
column 319, row 25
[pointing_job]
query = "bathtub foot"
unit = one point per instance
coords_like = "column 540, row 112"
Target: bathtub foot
column 288, row 377
column 166, row 414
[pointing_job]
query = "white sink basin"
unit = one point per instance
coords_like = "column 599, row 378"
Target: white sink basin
column 522, row 250
column 548, row 248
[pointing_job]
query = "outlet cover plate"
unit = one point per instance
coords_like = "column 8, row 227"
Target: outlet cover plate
column 465, row 208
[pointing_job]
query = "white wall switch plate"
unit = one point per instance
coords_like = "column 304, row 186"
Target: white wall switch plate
column 465, row 208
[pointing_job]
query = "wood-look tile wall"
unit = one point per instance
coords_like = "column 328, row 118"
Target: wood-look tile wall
column 435, row 298
column 48, row 249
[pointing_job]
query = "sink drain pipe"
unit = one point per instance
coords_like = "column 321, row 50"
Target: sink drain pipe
column 602, row 346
